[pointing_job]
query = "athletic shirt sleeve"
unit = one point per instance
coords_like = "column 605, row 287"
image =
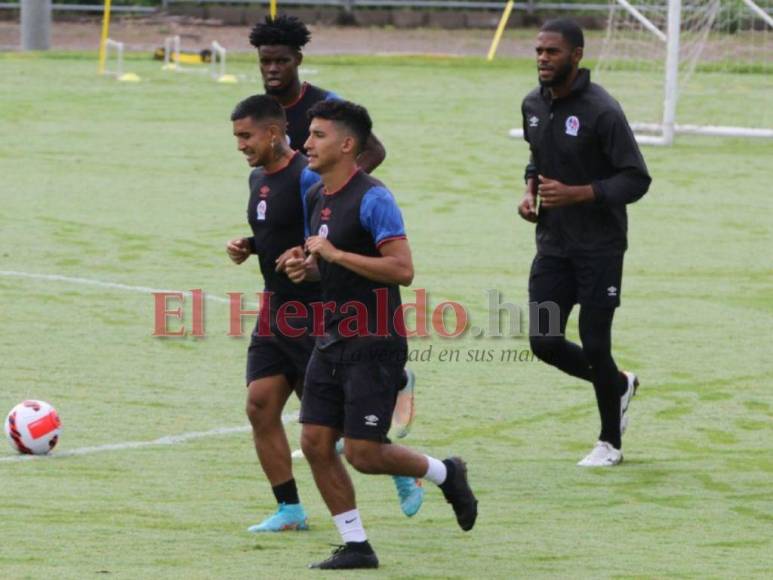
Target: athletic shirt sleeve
column 380, row 216
column 308, row 179
column 331, row 96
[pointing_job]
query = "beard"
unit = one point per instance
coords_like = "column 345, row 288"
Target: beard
column 560, row 75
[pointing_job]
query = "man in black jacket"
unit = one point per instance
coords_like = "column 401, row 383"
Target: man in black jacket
column 585, row 167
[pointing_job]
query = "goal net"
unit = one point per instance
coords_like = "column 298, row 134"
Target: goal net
column 713, row 77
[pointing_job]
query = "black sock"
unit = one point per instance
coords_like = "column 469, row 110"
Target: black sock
column 361, row 547
column 286, row 492
column 447, row 486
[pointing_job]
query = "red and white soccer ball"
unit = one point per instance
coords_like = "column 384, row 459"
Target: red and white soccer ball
column 33, row 427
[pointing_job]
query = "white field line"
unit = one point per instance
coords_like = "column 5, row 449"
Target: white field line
column 101, row 284
column 168, row 440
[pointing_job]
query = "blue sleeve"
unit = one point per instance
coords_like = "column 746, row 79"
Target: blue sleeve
column 331, row 96
column 308, row 179
column 380, row 215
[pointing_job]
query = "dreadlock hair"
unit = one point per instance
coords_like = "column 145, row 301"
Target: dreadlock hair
column 282, row 30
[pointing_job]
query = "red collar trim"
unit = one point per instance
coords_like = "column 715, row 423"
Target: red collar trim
column 355, row 172
column 285, row 166
column 304, row 86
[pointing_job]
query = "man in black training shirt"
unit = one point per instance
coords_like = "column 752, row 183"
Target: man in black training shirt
column 585, row 167
column 358, row 249
column 279, row 42
column 276, row 357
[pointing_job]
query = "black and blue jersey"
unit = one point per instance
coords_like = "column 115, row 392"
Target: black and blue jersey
column 359, row 218
column 275, row 214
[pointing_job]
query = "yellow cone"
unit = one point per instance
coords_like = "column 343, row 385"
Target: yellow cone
column 129, row 78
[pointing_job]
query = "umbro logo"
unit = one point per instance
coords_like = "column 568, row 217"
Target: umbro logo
column 371, row 420
column 612, row 291
column 533, row 121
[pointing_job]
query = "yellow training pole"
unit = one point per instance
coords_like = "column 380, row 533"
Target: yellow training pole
column 272, row 8
column 103, row 38
column 500, row 30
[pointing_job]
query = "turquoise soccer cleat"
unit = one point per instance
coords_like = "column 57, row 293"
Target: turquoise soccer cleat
column 289, row 517
column 411, row 494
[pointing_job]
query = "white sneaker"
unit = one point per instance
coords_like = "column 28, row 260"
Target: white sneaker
column 603, row 455
column 625, row 399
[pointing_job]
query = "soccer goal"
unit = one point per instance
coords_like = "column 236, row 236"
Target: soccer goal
column 691, row 66
column 113, row 64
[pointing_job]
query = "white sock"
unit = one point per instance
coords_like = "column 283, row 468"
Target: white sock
column 436, row 472
column 350, row 527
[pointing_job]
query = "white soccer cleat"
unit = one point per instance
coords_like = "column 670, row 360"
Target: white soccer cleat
column 603, row 455
column 625, row 399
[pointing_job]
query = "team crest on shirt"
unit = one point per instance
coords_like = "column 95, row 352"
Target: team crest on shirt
column 323, row 231
column 572, row 126
column 264, row 191
column 533, row 121
column 262, row 206
column 326, row 213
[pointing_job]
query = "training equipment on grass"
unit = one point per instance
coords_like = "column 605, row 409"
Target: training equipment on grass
column 178, row 60
column 114, row 62
column 33, row 427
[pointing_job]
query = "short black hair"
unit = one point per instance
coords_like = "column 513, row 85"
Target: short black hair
column 351, row 115
column 259, row 107
column 283, row 30
column 567, row 28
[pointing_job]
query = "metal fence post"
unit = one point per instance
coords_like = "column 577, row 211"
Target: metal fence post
column 35, row 24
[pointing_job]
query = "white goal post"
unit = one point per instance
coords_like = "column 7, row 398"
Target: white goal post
column 714, row 59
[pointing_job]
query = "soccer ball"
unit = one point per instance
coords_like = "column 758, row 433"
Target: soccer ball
column 33, row 427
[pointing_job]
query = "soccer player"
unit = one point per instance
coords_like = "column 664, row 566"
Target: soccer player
column 276, row 358
column 279, row 42
column 281, row 344
column 358, row 249
column 585, row 167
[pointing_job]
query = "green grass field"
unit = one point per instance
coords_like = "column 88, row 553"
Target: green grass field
column 141, row 185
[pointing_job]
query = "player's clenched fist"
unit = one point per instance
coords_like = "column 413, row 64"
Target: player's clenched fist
column 319, row 246
column 238, row 250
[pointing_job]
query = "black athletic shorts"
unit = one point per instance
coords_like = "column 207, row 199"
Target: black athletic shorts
column 278, row 355
column 352, row 386
column 588, row 281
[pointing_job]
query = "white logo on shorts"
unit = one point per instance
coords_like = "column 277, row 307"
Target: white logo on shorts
column 612, row 291
column 262, row 210
column 533, row 121
column 572, row 126
column 371, row 420
column 323, row 231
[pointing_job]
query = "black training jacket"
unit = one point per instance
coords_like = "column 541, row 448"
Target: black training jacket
column 584, row 139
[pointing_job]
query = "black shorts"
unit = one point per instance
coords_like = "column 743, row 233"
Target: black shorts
column 353, row 390
column 588, row 281
column 278, row 355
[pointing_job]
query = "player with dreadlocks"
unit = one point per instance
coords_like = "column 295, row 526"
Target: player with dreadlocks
column 280, row 42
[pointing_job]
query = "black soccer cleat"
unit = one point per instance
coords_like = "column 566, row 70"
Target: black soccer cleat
column 458, row 493
column 348, row 557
